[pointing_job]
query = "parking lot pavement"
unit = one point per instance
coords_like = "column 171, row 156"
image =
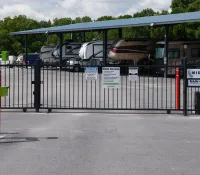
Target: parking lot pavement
column 99, row 143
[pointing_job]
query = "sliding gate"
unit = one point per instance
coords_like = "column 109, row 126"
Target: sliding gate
column 114, row 88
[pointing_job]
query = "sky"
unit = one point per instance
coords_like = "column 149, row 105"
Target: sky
column 50, row 9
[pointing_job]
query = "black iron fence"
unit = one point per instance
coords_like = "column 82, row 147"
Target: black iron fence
column 53, row 87
column 20, row 92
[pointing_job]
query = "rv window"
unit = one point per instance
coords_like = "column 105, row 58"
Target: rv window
column 68, row 47
column 195, row 52
column 159, row 53
column 174, row 53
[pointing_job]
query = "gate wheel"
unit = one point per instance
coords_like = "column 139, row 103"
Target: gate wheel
column 76, row 69
column 24, row 110
column 49, row 110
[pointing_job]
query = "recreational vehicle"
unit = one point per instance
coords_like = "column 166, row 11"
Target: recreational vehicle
column 177, row 50
column 93, row 50
column 131, row 50
column 90, row 54
column 69, row 50
column 46, row 55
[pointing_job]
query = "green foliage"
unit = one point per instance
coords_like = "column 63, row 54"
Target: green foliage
column 15, row 45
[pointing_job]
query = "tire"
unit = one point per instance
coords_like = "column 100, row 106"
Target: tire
column 76, row 69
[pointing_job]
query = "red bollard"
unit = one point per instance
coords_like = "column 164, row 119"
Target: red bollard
column 177, row 89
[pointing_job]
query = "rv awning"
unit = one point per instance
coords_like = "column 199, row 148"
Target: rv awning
column 120, row 23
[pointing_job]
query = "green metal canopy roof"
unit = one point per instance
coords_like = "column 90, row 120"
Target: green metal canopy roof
column 120, row 23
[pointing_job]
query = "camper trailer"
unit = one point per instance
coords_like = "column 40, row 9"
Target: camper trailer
column 93, row 50
column 177, row 50
column 46, row 55
column 90, row 54
column 51, row 54
column 69, row 50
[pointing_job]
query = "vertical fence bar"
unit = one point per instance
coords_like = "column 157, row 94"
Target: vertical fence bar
column 37, row 89
column 153, row 93
column 52, row 87
column 126, row 93
column 9, row 88
column 27, row 74
column 185, row 87
column 65, row 97
column 47, row 87
column 78, row 92
column 43, row 87
column 13, row 87
column 82, row 91
column 73, row 87
column 18, row 86
column 56, row 87
column 31, row 87
column 23, row 86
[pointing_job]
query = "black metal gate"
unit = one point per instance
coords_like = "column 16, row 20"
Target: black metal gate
column 37, row 87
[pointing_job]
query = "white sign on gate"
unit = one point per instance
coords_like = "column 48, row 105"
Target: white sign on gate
column 193, row 73
column 194, row 82
column 133, row 73
column 91, row 73
column 111, row 77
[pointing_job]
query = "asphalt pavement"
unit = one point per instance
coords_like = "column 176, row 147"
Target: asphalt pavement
column 99, row 144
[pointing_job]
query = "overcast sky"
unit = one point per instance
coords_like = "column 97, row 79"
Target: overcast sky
column 49, row 9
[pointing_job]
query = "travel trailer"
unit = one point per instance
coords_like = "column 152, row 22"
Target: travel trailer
column 90, row 54
column 69, row 50
column 176, row 53
column 46, row 55
column 93, row 49
column 50, row 54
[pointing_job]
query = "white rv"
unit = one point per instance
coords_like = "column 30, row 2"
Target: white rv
column 69, row 50
column 46, row 54
column 176, row 52
column 90, row 54
column 93, row 50
column 50, row 54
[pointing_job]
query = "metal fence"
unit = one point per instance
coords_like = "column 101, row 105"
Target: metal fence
column 70, row 90
column 52, row 87
column 19, row 80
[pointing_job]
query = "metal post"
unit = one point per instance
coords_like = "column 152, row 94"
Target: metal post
column 37, row 88
column 104, row 47
column 185, row 87
column 26, row 49
column 120, row 33
column 83, row 37
column 166, row 49
column 60, row 48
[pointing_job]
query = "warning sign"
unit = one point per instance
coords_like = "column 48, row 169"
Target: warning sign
column 133, row 73
column 91, row 73
column 111, row 77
